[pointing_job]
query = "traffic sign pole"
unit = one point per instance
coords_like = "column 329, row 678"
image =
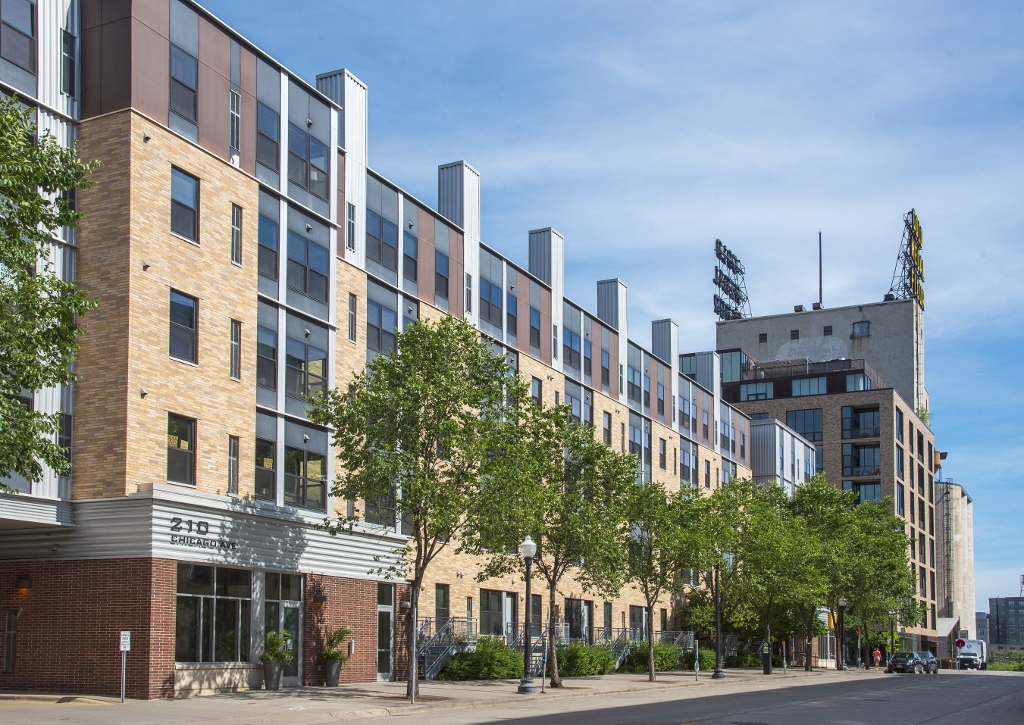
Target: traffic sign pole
column 126, row 646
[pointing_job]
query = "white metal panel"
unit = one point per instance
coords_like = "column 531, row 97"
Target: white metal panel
column 458, row 200
column 356, row 150
column 27, row 509
column 53, row 17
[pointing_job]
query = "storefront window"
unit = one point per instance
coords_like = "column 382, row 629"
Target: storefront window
column 213, row 614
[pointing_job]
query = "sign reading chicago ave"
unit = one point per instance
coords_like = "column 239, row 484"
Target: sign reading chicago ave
column 193, row 533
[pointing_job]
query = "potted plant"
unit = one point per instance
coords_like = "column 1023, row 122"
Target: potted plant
column 276, row 655
column 333, row 655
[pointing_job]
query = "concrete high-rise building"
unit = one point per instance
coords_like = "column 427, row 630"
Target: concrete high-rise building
column 1006, row 623
column 246, row 256
column 954, row 511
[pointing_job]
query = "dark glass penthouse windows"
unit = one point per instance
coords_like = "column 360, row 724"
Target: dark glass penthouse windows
column 268, row 137
column 306, row 372
column 267, row 261
column 184, row 84
column 381, row 323
column 266, row 469
column 308, row 162
column 305, row 478
column 18, row 33
column 490, row 302
column 381, row 241
column 308, row 267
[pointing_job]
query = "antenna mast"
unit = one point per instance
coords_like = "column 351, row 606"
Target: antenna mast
column 733, row 303
column 908, row 277
column 820, row 301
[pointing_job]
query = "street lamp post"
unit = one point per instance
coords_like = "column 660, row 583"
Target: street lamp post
column 527, row 549
column 841, row 665
column 718, row 673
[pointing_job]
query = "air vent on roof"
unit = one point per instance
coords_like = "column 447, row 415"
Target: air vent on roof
column 799, row 308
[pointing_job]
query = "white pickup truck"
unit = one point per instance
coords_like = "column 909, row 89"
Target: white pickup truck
column 972, row 656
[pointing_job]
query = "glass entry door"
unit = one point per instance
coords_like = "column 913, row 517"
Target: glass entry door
column 283, row 612
column 385, row 632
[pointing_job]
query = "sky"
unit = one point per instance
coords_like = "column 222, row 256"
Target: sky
column 643, row 131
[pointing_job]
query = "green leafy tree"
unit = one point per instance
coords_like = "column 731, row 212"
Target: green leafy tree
column 557, row 484
column 660, row 542
column 38, row 332
column 413, row 434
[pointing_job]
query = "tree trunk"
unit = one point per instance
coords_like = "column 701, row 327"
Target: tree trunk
column 556, row 681
column 412, row 689
column 809, row 646
column 651, row 675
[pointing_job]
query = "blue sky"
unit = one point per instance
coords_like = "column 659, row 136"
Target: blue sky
column 643, row 131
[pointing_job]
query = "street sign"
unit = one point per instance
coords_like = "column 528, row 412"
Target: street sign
column 764, row 648
column 960, row 643
column 126, row 641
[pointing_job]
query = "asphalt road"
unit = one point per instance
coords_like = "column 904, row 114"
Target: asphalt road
column 960, row 698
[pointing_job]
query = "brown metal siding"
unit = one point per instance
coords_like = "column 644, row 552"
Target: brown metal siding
column 248, row 150
column 151, row 77
column 214, row 88
column 426, row 251
column 457, row 275
column 545, row 325
column 523, row 319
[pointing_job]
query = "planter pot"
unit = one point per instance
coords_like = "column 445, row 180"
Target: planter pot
column 332, row 671
column 272, row 675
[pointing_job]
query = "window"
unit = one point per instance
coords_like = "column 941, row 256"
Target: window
column 183, row 343
column 351, row 317
column 184, row 205
column 607, row 428
column 469, row 293
column 634, row 381
column 536, row 391
column 707, row 474
column 381, row 323
column 266, row 469
column 757, row 391
column 762, row 337
column 662, row 454
column 268, row 137
column 17, row 33
column 350, row 236
column 860, row 423
column 647, row 391
column 266, row 358
column 899, row 425
column 588, row 361
column 861, row 460
column 181, row 449
column 572, row 399
column 828, row 330
column 69, row 63
column 535, row 327
column 705, row 425
column 214, row 606
column 794, row 334
column 511, row 314
column 10, row 640
column 184, row 79
column 236, row 234
column 441, row 274
column 235, row 127
column 554, row 342
column 622, row 437
column 410, row 254
column 861, row 329
column 661, row 402
column 857, row 381
column 306, row 371
column 571, row 348
column 684, row 462
column 606, row 372
column 233, row 465
column 901, row 503
column 236, row 350
column 267, row 261
column 490, row 302
column 865, row 491
column 308, row 267
column 809, row 386
column 308, row 164
column 806, row 422
column 305, row 478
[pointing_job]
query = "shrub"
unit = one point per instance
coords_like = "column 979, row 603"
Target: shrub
column 743, row 659
column 581, row 660
column 666, row 657
column 492, row 660
column 707, row 660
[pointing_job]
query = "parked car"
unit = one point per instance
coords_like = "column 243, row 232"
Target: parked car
column 930, row 663
column 905, row 662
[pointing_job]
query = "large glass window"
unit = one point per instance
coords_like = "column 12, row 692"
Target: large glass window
column 308, row 267
column 306, row 373
column 268, row 137
column 534, row 327
column 757, row 391
column 490, row 302
column 809, row 386
column 899, row 425
column 266, row 469
column 857, row 381
column 267, row 247
column 410, row 257
column 214, row 606
column 266, row 358
column 571, row 348
column 441, row 274
column 861, row 460
column 806, row 422
column 183, row 332
column 308, row 162
column 634, row 380
column 865, row 491
column 511, row 314
column 184, row 83
column 69, row 64
column 281, row 612
column 181, row 449
column 606, row 370
column 861, row 423
column 18, row 33
column 381, row 241
column 184, row 205
column 305, row 478
column 381, row 323
column 536, row 391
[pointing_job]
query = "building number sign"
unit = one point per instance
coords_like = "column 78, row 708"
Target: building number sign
column 193, row 533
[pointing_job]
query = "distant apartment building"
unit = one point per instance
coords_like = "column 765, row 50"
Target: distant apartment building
column 1006, row 623
column 245, row 257
column 981, row 627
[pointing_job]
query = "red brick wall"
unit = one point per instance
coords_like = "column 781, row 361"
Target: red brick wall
column 69, row 624
column 352, row 603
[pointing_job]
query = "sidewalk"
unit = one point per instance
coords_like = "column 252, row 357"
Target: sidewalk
column 308, row 705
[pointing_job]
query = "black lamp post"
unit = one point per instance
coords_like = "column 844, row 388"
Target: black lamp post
column 527, row 550
column 841, row 665
column 719, row 673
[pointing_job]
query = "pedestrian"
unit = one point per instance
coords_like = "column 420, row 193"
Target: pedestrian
column 877, row 655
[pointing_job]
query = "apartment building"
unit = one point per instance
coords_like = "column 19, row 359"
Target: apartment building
column 244, row 257
column 1006, row 623
column 954, row 511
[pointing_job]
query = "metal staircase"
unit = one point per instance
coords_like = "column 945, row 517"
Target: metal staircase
column 457, row 633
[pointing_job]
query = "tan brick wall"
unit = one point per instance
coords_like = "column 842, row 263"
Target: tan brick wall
column 145, row 261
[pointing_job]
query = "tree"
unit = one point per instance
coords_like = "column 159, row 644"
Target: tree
column 660, row 542
column 38, row 332
column 568, row 492
column 413, row 434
